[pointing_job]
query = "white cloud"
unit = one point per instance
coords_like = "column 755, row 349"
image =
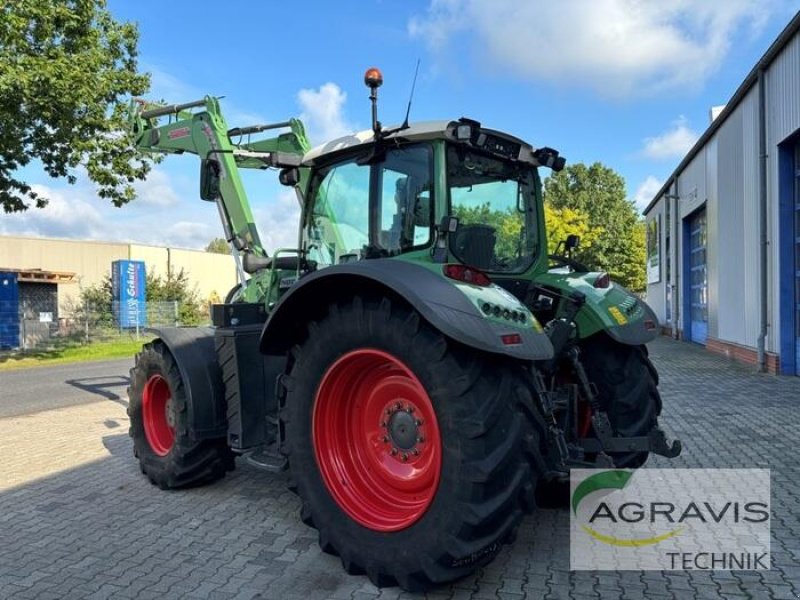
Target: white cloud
column 156, row 191
column 618, row 47
column 69, row 214
column 189, row 234
column 75, row 212
column 322, row 112
column 646, row 191
column 278, row 221
column 673, row 143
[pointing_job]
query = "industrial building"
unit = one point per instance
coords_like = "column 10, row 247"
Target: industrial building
column 724, row 230
column 41, row 279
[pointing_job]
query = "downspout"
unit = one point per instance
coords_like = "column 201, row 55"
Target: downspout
column 762, row 198
column 677, row 265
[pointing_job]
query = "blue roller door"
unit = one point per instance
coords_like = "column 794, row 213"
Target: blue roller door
column 9, row 311
column 698, row 277
column 797, row 257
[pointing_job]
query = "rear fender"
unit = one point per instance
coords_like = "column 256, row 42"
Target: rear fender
column 438, row 300
column 614, row 310
column 193, row 351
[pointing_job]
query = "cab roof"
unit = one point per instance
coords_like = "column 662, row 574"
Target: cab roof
column 418, row 131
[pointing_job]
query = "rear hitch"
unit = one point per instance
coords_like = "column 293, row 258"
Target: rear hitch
column 655, row 442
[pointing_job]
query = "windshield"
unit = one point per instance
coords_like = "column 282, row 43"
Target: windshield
column 494, row 202
column 367, row 210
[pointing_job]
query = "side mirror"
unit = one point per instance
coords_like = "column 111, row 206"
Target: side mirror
column 209, row 179
column 572, row 242
column 449, row 224
column 289, row 176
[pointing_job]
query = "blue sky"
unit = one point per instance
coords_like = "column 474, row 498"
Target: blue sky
column 625, row 82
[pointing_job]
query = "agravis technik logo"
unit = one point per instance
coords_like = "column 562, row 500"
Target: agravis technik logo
column 669, row 519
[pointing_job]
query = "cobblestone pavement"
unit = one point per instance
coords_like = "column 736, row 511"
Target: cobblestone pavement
column 78, row 520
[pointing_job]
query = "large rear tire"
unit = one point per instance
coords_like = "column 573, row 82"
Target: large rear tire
column 405, row 448
column 158, row 414
column 626, row 383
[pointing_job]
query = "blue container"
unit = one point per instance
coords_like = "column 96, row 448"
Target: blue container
column 128, row 293
column 9, row 311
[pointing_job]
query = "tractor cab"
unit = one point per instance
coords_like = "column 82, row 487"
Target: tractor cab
column 380, row 196
column 453, row 190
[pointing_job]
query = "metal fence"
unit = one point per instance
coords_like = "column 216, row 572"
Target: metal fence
column 26, row 329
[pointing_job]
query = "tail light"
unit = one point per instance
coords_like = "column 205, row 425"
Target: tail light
column 466, row 274
column 511, row 339
column 602, row 281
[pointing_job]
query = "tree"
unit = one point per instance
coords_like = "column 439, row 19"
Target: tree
column 218, row 246
column 599, row 192
column 96, row 300
column 561, row 222
column 65, row 68
column 175, row 287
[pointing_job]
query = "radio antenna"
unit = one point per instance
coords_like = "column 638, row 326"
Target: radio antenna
column 411, row 97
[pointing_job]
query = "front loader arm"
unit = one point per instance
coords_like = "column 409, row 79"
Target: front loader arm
column 206, row 134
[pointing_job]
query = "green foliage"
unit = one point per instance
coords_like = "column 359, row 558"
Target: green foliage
column 507, row 224
column 599, row 192
column 175, row 287
column 218, row 246
column 65, row 65
column 561, row 222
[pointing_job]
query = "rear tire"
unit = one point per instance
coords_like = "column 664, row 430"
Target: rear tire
column 157, row 409
column 627, row 383
column 469, row 480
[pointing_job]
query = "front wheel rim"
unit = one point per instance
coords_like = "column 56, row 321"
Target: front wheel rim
column 158, row 415
column 376, row 440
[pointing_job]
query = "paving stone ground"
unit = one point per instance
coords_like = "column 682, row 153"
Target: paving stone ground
column 78, row 520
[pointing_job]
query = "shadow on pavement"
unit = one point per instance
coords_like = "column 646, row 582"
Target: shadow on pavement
column 102, row 386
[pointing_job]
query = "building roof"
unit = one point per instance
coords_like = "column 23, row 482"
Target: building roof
column 41, row 276
column 777, row 46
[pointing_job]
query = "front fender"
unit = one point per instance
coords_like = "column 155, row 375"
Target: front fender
column 195, row 355
column 440, row 302
column 614, row 310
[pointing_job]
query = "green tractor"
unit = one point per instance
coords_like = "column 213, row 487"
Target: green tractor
column 420, row 365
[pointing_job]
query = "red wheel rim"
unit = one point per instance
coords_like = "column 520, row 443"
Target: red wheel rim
column 376, row 440
column 159, row 427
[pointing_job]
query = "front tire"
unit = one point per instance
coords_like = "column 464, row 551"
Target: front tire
column 405, row 448
column 157, row 409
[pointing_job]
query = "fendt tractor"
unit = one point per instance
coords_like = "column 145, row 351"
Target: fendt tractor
column 425, row 372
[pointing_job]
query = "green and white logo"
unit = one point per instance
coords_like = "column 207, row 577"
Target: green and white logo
column 669, row 519
column 611, row 480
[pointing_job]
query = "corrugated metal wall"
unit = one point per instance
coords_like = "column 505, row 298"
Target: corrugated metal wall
column 656, row 292
column 783, row 120
column 737, row 226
